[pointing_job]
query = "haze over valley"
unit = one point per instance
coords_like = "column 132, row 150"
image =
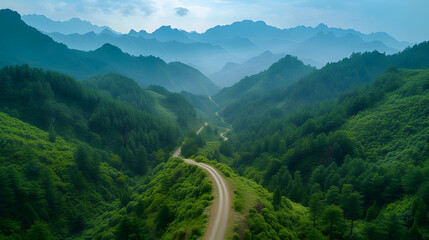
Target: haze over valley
column 214, row 120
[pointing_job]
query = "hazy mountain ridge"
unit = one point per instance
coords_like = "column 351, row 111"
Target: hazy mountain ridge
column 26, row 45
column 318, row 86
column 282, row 73
column 240, row 41
column 233, row 72
column 74, row 25
column 195, row 53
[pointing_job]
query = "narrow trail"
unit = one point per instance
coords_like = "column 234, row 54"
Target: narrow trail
column 222, row 134
column 217, row 105
column 221, row 206
column 221, row 118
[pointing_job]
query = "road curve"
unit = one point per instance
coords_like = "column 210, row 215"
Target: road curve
column 221, row 205
column 222, row 135
column 211, row 99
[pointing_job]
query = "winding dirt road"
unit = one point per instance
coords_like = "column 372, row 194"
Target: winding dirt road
column 222, row 135
column 221, row 205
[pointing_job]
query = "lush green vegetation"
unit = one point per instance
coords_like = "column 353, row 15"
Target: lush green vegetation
column 100, row 169
column 361, row 157
column 25, row 45
column 154, row 100
column 205, row 108
column 57, row 190
column 257, row 215
column 336, row 153
column 282, row 73
column 326, row 83
column 51, row 189
column 50, row 99
column 170, row 204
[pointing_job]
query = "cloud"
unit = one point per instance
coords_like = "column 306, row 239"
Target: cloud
column 121, row 15
column 181, row 11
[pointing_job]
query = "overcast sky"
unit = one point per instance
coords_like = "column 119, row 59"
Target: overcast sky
column 404, row 19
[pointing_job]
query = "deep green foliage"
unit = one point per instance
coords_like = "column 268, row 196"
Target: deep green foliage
column 43, row 97
column 49, row 190
column 58, row 190
column 333, row 222
column 191, row 145
column 205, row 108
column 26, row 45
column 366, row 150
column 326, row 83
column 167, row 205
column 125, row 89
column 39, row 231
column 277, row 197
column 130, row 228
column 282, row 73
column 315, row 206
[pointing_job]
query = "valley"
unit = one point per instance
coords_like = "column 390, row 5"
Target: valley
column 250, row 130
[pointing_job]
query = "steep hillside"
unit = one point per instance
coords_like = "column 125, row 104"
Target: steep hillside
column 232, row 73
column 284, row 72
column 54, row 189
column 366, row 152
column 24, row 44
column 205, row 108
column 56, row 102
column 323, row 84
column 163, row 104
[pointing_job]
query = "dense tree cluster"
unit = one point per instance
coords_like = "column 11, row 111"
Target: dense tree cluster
column 361, row 156
column 60, row 104
column 57, row 189
column 326, row 83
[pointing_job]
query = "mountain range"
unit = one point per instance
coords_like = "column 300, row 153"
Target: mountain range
column 312, row 88
column 74, row 25
column 211, row 50
column 26, row 45
column 233, row 72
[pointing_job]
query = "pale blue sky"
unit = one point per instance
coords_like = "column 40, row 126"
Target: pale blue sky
column 404, row 19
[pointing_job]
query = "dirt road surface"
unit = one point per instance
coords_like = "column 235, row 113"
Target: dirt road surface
column 221, row 205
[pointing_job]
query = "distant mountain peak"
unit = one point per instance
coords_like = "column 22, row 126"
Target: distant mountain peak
column 166, row 29
column 322, row 26
column 107, row 31
column 267, row 53
column 10, row 14
column 109, row 49
column 92, row 34
column 252, row 22
column 73, row 25
column 75, row 19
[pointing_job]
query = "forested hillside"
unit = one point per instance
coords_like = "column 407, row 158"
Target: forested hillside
column 362, row 157
column 112, row 137
column 54, row 189
column 282, row 73
column 58, row 103
column 22, row 44
column 154, row 100
column 326, row 83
